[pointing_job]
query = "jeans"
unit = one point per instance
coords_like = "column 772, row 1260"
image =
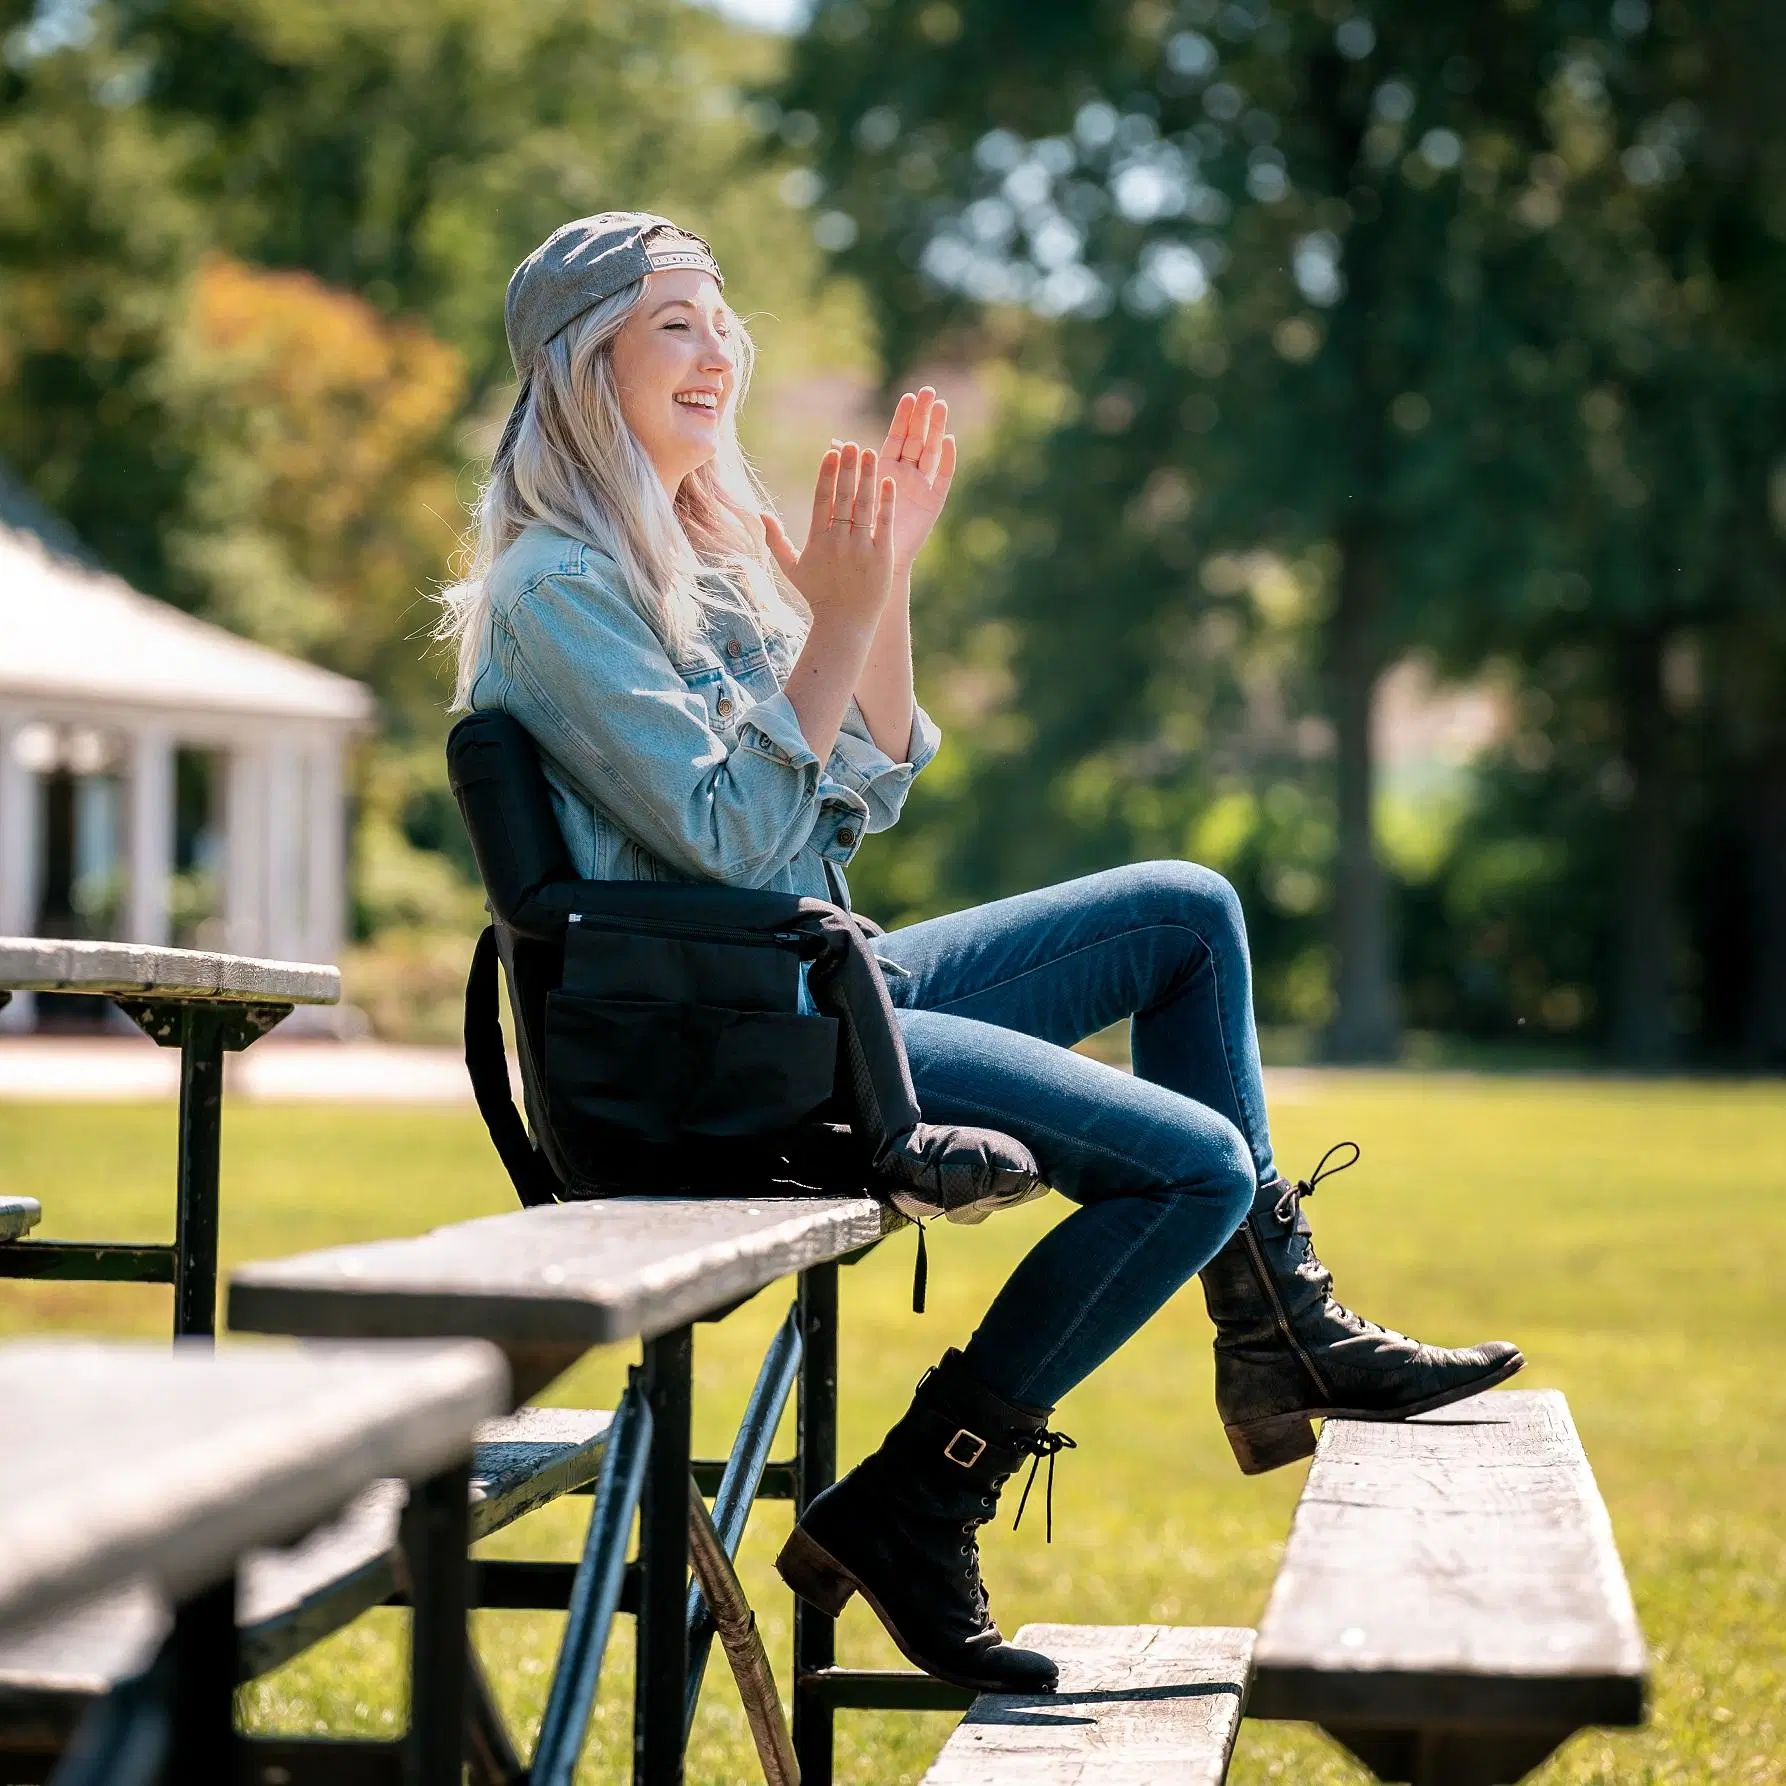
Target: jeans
column 1163, row 1164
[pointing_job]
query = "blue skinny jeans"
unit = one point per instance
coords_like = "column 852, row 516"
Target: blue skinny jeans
column 1163, row 1164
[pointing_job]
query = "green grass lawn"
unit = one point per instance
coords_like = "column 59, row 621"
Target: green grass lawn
column 1630, row 1236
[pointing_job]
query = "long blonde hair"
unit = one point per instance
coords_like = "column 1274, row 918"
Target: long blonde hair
column 568, row 458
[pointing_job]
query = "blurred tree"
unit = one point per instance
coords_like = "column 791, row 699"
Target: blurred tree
column 99, row 241
column 1270, row 253
column 322, row 497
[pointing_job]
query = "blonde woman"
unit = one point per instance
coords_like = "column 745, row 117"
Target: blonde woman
column 713, row 702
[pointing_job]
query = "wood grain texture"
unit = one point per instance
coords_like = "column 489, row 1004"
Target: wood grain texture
column 293, row 1597
column 133, row 1463
column 1138, row 1705
column 18, row 1215
column 1455, row 1569
column 43, row 964
column 569, row 1274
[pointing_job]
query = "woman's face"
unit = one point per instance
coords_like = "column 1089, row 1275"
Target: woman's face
column 674, row 366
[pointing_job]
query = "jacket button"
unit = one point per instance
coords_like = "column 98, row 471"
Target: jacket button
column 733, row 648
column 725, row 706
column 846, row 835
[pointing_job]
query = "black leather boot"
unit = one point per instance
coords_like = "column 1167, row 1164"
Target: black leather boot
column 902, row 1530
column 1286, row 1353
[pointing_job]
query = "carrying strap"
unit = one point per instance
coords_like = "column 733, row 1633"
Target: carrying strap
column 534, row 1180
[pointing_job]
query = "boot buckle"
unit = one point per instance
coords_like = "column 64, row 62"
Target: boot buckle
column 973, row 1457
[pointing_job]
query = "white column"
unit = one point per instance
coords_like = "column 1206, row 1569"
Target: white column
column 19, row 866
column 327, row 854
column 151, row 832
column 286, row 886
column 245, row 851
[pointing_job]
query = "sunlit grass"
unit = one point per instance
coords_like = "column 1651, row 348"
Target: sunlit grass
column 1631, row 1236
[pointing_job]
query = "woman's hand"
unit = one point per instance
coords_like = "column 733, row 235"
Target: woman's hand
column 846, row 574
column 845, row 570
column 919, row 453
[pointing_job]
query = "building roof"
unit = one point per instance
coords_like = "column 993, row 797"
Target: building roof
column 72, row 632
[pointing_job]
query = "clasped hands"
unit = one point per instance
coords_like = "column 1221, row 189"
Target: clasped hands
column 871, row 513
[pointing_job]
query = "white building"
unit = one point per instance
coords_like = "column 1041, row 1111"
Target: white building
column 161, row 779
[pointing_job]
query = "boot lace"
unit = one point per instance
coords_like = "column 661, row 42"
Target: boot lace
column 1289, row 1206
column 1041, row 1445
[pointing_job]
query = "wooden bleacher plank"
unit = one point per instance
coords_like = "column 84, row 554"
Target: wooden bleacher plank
column 18, row 1216
column 530, row 1457
column 293, row 1597
column 128, row 1463
column 1138, row 1705
column 42, row 964
column 1457, row 1569
column 569, row 1274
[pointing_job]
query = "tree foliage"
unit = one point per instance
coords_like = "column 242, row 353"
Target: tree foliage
column 1461, row 313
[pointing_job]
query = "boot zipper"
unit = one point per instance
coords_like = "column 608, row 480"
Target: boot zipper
column 719, row 933
column 1283, row 1320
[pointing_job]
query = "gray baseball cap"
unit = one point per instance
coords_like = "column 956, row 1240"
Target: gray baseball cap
column 582, row 263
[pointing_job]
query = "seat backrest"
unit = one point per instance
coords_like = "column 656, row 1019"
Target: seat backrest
column 494, row 768
column 535, row 897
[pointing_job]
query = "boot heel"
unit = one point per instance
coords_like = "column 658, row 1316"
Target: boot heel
column 1261, row 1445
column 813, row 1574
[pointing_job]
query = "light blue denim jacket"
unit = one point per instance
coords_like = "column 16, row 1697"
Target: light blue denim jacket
column 663, row 770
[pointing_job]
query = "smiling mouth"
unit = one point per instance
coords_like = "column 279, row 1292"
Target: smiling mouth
column 707, row 402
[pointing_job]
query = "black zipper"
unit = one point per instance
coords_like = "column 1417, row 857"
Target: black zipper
column 1277, row 1304
column 718, row 933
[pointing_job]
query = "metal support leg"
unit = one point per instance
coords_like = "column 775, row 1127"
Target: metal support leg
column 202, row 1742
column 595, row 1595
column 1451, row 1756
column 436, row 1536
column 815, row 1636
column 739, row 1484
column 201, row 1133
column 667, row 1379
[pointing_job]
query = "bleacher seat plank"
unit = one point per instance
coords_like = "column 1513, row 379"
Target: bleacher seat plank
column 18, row 1216
column 40, row 964
column 130, row 1463
column 1454, row 1571
column 1138, row 1705
column 569, row 1274
column 291, row 1598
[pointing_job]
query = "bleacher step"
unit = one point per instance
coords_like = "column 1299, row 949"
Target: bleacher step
column 1138, row 1705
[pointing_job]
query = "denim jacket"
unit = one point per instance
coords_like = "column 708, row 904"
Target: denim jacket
column 676, row 770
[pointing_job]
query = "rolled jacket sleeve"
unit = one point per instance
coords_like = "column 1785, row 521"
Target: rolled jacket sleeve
column 860, row 765
column 592, row 682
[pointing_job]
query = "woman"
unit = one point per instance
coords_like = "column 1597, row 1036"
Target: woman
column 714, row 703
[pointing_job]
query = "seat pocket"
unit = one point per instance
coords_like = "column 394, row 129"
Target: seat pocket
column 658, row 1072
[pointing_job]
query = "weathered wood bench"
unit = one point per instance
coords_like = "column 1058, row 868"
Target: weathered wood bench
column 1450, row 1608
column 548, row 1284
column 223, row 1454
column 1138, row 1705
column 205, row 1005
column 1451, row 1605
column 290, row 1598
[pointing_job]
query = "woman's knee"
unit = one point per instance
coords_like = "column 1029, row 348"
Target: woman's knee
column 1169, row 891
column 1218, row 1173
